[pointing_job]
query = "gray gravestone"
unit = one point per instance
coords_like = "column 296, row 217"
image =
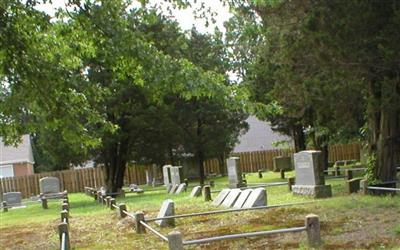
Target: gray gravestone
column 176, row 177
column 234, row 172
column 167, row 175
column 180, row 188
column 13, row 198
column 282, row 162
column 167, row 209
column 257, row 198
column 169, row 187
column 309, row 175
column 196, row 191
column 221, row 196
column 242, row 198
column 49, row 185
column 231, row 197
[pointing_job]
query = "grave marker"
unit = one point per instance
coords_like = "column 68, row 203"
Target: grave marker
column 257, row 198
column 49, row 185
column 242, row 198
column 282, row 163
column 196, row 191
column 167, row 209
column 231, row 197
column 181, row 188
column 166, row 174
column 234, row 172
column 13, row 198
column 221, row 196
column 309, row 175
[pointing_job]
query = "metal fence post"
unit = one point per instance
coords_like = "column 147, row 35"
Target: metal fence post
column 291, row 182
column 313, row 229
column 207, row 193
column 108, row 198
column 64, row 215
column 282, row 173
column 139, row 216
column 122, row 208
column 260, row 175
column 63, row 228
column 175, row 241
column 112, row 203
column 364, row 186
column 5, row 208
column 44, row 203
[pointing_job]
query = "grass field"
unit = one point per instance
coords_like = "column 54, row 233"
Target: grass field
column 347, row 221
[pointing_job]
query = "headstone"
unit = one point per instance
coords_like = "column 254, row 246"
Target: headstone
column 180, row 188
column 231, row 197
column 13, row 198
column 166, row 174
column 173, row 189
column 196, row 191
column 176, row 177
column 149, row 177
column 310, row 178
column 242, row 198
column 49, row 185
column 234, row 172
column 167, row 209
column 169, row 187
column 131, row 187
column 257, row 198
column 221, row 196
column 282, row 163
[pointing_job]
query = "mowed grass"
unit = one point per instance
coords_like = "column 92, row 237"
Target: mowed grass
column 347, row 221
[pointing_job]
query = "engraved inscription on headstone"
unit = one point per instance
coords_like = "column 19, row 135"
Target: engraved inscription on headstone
column 49, row 185
column 309, row 175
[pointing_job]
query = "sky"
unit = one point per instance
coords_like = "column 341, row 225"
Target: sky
column 185, row 18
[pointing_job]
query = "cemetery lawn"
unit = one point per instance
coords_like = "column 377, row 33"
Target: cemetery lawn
column 347, row 221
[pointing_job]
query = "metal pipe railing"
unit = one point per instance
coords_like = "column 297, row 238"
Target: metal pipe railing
column 154, row 231
column 243, row 235
column 225, row 211
column 384, row 188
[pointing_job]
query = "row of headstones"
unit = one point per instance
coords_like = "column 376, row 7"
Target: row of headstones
column 48, row 186
column 237, row 198
column 173, row 177
column 176, row 189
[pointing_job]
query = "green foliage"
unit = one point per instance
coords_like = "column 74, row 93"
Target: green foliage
column 370, row 169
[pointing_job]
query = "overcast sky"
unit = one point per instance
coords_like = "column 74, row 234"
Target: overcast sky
column 185, row 17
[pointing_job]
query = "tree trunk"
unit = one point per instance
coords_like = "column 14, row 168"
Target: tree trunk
column 200, row 153
column 299, row 138
column 221, row 164
column 384, row 124
column 115, row 167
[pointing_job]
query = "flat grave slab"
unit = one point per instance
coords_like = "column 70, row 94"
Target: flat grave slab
column 221, row 196
column 231, row 197
column 257, row 198
column 242, row 198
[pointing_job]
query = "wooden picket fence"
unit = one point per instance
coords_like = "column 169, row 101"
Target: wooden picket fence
column 77, row 180
column 71, row 180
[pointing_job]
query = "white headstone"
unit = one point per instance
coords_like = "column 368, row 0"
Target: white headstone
column 167, row 209
column 169, row 187
column 149, row 177
column 180, row 188
column 242, row 198
column 175, row 175
column 166, row 174
column 196, row 191
column 49, row 185
column 257, row 198
column 13, row 198
column 173, row 189
column 234, row 172
column 231, row 197
column 221, row 196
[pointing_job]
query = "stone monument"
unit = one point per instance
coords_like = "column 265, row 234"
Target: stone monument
column 309, row 175
column 13, row 199
column 234, row 172
column 167, row 209
column 49, row 185
column 282, row 163
column 167, row 175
